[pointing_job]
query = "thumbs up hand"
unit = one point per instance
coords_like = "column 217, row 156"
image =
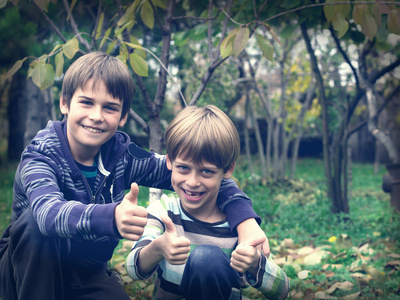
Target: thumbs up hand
column 173, row 248
column 130, row 218
column 246, row 256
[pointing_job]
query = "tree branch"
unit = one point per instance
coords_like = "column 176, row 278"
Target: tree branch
column 344, row 55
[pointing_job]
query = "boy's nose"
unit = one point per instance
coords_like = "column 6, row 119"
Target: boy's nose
column 193, row 180
column 96, row 115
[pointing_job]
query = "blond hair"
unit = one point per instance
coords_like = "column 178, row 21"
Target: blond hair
column 203, row 134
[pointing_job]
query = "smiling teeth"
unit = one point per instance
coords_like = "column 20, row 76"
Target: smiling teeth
column 92, row 129
column 194, row 195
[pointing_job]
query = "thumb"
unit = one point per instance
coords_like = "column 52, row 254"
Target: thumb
column 255, row 242
column 133, row 193
column 169, row 226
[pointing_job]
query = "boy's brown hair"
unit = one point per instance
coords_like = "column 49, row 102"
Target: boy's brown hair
column 100, row 67
column 203, row 133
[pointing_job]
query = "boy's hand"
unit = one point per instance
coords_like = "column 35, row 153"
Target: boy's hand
column 246, row 256
column 249, row 230
column 129, row 217
column 173, row 248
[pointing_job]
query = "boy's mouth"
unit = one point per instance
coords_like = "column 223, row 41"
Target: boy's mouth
column 91, row 129
column 193, row 195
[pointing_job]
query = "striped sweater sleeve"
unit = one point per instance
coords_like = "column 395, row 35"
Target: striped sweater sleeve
column 270, row 280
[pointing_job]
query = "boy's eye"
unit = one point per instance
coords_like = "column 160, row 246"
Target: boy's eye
column 183, row 168
column 112, row 108
column 86, row 102
column 208, row 172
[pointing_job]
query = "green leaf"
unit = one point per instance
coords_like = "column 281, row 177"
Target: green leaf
column 160, row 3
column 394, row 21
column 99, row 26
column 129, row 13
column 139, row 51
column 358, row 13
column 139, row 65
column 43, row 4
column 368, row 26
column 341, row 25
column 119, row 31
column 15, row 67
column 3, row 3
column 226, row 48
column 71, row 47
column 241, row 40
column 330, row 11
column 111, row 47
column 59, row 64
column 106, row 35
column 147, row 15
column 43, row 75
column 265, row 47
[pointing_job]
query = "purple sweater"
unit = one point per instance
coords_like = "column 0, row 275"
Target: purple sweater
column 49, row 181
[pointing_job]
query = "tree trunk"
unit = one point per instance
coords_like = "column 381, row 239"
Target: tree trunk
column 247, row 139
column 258, row 135
column 29, row 110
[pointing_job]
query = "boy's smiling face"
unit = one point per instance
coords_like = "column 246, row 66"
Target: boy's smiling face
column 93, row 118
column 197, row 185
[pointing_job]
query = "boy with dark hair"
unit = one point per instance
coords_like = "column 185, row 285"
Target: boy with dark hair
column 188, row 240
column 69, row 210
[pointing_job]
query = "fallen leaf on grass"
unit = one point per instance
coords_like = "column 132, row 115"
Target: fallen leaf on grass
column 315, row 258
column 373, row 272
column 346, row 286
column 303, row 274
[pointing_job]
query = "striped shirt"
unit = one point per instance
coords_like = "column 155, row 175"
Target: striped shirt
column 63, row 205
column 271, row 280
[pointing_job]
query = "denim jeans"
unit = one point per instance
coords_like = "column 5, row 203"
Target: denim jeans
column 208, row 275
column 36, row 267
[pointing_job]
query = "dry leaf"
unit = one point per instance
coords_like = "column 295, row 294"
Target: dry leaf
column 315, row 258
column 305, row 250
column 351, row 296
column 303, row 274
column 346, row 286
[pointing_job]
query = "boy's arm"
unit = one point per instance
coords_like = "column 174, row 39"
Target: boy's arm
column 240, row 214
column 260, row 272
column 169, row 246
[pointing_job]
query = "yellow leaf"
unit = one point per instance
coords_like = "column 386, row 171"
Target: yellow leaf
column 99, row 26
column 59, row 64
column 346, row 286
column 15, row 67
column 43, row 4
column 332, row 239
column 241, row 40
column 43, row 75
column 226, row 48
column 71, row 47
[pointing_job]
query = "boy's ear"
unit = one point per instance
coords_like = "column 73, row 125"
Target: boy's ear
column 123, row 120
column 169, row 163
column 230, row 171
column 63, row 106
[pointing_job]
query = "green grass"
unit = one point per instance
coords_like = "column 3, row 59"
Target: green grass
column 300, row 210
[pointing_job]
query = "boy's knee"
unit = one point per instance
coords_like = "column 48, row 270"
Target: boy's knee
column 207, row 255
